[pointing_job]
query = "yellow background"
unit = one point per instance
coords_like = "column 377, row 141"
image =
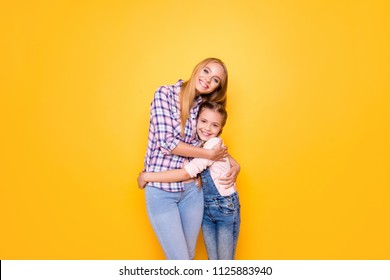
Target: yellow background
column 308, row 121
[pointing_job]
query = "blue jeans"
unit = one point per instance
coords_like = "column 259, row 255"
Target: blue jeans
column 221, row 220
column 176, row 218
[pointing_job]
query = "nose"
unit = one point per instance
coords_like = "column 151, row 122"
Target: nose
column 208, row 78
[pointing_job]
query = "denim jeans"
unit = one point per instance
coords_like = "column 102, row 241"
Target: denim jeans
column 176, row 218
column 221, row 220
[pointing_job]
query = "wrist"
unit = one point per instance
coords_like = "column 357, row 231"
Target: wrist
column 145, row 177
column 209, row 154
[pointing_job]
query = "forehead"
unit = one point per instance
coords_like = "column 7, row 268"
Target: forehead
column 210, row 115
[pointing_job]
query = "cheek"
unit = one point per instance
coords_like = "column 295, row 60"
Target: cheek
column 215, row 86
column 215, row 131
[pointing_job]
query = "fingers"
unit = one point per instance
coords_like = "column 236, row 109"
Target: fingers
column 227, row 184
column 219, row 152
column 226, row 181
column 141, row 182
column 224, row 153
column 218, row 146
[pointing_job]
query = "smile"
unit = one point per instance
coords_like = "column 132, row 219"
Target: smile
column 203, row 84
column 205, row 133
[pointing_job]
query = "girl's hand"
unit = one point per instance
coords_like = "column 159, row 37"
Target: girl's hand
column 231, row 177
column 218, row 152
column 141, row 181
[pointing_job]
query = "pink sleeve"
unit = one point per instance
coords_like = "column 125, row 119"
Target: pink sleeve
column 197, row 165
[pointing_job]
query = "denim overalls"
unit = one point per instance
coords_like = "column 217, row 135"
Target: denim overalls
column 221, row 220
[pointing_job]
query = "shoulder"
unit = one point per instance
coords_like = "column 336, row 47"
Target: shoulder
column 169, row 91
column 212, row 142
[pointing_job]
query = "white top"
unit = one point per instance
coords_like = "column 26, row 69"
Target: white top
column 217, row 168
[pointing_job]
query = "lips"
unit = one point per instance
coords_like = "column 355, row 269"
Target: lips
column 203, row 84
column 205, row 134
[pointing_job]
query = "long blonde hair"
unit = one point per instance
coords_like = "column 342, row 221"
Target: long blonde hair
column 188, row 92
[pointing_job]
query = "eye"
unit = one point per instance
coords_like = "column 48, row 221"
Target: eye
column 206, row 71
column 216, row 80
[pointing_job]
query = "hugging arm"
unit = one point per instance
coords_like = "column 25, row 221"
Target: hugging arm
column 230, row 178
column 216, row 153
column 174, row 175
column 161, row 121
column 190, row 170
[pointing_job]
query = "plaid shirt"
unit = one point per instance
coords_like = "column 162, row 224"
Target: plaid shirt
column 164, row 133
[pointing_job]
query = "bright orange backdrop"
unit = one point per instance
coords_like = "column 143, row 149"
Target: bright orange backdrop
column 309, row 122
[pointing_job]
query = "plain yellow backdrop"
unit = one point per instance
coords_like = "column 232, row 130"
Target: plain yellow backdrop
column 309, row 120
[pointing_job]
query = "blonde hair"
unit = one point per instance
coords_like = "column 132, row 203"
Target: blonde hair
column 188, row 92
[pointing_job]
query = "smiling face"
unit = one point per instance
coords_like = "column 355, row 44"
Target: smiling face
column 209, row 124
column 209, row 78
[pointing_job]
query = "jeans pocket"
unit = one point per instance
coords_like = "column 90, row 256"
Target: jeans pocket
column 226, row 205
